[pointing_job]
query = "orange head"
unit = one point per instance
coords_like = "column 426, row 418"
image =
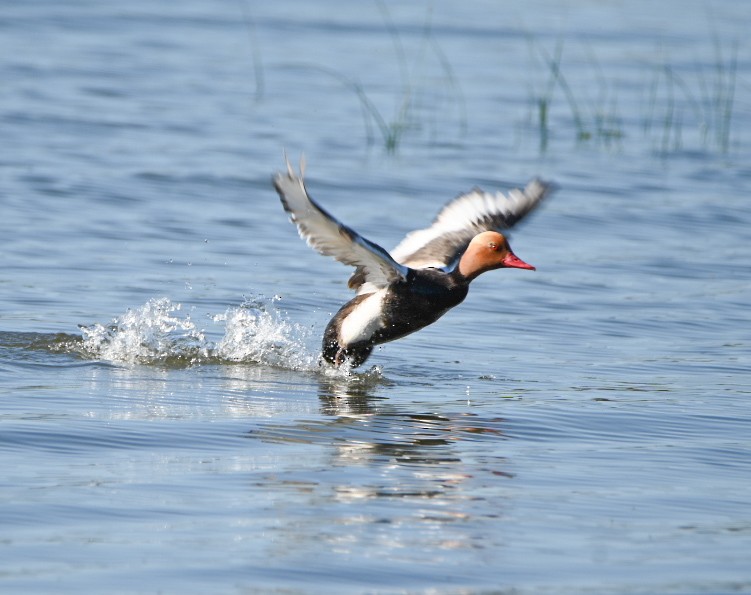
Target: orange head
column 487, row 251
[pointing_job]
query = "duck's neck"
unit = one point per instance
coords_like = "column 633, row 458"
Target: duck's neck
column 459, row 277
column 468, row 268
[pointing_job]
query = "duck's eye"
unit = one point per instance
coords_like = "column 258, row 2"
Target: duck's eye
column 493, row 246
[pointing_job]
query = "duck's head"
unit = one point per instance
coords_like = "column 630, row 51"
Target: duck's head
column 487, row 251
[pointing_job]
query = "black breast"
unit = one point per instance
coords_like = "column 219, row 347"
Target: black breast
column 423, row 298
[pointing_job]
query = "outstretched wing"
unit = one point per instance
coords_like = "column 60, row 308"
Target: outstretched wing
column 375, row 267
column 441, row 244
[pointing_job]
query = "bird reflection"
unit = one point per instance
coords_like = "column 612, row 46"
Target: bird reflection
column 351, row 396
column 362, row 427
column 362, row 451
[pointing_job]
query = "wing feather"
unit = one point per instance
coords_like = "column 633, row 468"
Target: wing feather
column 441, row 244
column 323, row 232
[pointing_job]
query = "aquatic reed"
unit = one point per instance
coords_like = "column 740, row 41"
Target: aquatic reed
column 708, row 98
column 591, row 120
column 693, row 104
column 258, row 71
column 410, row 104
column 681, row 107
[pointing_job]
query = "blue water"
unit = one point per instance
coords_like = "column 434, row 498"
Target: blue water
column 164, row 424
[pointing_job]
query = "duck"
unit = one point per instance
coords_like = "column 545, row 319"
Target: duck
column 427, row 274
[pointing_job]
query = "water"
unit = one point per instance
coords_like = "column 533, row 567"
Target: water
column 165, row 426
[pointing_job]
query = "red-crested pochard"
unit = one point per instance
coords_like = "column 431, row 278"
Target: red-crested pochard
column 426, row 275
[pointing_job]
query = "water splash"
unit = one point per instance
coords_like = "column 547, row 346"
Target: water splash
column 255, row 333
column 153, row 333
column 160, row 333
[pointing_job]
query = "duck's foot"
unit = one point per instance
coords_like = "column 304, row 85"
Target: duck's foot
column 352, row 356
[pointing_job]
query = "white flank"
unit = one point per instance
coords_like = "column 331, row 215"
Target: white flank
column 364, row 320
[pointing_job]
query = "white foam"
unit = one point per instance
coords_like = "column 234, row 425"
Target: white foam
column 256, row 333
column 148, row 334
column 159, row 332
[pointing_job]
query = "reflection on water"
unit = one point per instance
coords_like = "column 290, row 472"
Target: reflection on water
column 445, row 488
column 416, row 454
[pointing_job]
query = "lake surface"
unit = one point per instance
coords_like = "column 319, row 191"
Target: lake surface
column 164, row 424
